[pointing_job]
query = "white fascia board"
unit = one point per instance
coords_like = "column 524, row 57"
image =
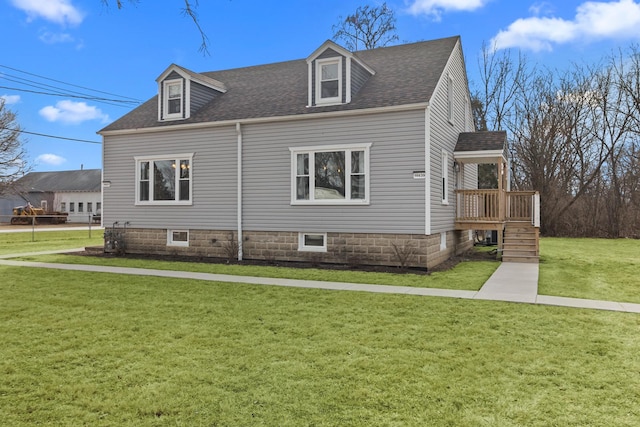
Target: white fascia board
column 342, row 51
column 258, row 120
column 192, row 76
column 482, row 155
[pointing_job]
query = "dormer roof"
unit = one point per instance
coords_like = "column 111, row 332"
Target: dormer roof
column 329, row 44
column 195, row 77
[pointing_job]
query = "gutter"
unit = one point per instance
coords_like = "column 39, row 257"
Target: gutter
column 239, row 194
column 257, row 120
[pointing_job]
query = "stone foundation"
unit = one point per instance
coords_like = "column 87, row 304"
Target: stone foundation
column 412, row 250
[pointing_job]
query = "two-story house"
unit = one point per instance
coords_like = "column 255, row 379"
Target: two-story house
column 339, row 157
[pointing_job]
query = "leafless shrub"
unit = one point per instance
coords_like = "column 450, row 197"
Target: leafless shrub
column 405, row 253
column 230, row 247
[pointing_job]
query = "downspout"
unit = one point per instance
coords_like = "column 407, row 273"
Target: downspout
column 427, row 174
column 239, row 195
column 427, row 171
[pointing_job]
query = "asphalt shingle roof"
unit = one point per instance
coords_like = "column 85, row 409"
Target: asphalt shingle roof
column 62, row 181
column 482, row 141
column 404, row 74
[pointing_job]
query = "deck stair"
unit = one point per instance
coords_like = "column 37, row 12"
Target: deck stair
column 521, row 242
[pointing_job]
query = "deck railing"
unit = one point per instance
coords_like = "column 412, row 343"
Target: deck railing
column 497, row 206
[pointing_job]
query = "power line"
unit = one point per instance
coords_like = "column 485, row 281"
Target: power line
column 115, row 102
column 51, row 136
column 44, row 86
column 70, row 84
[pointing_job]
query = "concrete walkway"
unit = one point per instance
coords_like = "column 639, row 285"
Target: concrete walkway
column 512, row 282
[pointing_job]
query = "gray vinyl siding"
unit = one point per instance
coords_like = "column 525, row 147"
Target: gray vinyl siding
column 443, row 137
column 200, row 95
column 213, row 174
column 397, row 200
column 359, row 76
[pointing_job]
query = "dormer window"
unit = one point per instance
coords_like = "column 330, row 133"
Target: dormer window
column 173, row 102
column 335, row 75
column 329, row 81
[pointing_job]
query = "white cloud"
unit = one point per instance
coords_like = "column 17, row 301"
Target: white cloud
column 51, row 159
column 71, row 112
column 59, row 11
column 593, row 20
column 10, row 99
column 52, row 38
column 435, row 8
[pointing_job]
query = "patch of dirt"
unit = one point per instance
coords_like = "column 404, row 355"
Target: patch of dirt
column 471, row 255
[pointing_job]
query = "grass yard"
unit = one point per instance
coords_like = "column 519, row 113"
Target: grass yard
column 21, row 242
column 606, row 269
column 102, row 350
column 464, row 276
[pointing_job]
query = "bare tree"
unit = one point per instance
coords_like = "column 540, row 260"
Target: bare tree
column 368, row 28
column 502, row 76
column 190, row 10
column 12, row 155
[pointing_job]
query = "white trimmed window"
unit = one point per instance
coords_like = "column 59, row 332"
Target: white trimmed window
column 164, row 180
column 312, row 242
column 445, row 178
column 330, row 175
column 329, row 81
column 450, row 98
column 63, row 206
column 177, row 238
column 173, row 99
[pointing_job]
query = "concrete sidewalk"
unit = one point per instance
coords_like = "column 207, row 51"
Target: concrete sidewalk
column 512, row 282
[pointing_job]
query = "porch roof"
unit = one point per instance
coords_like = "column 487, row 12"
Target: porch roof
column 481, row 147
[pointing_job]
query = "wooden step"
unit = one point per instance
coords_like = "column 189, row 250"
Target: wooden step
column 513, row 258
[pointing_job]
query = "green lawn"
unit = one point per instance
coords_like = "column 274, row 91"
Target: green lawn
column 464, row 276
column 103, row 350
column 22, row 242
column 606, row 269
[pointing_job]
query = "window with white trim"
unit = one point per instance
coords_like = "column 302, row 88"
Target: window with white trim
column 173, row 99
column 329, row 81
column 164, row 179
column 177, row 237
column 312, row 242
column 330, row 175
column 450, row 98
column 63, row 206
column 445, row 178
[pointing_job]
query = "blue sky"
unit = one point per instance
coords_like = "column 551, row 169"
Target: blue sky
column 121, row 52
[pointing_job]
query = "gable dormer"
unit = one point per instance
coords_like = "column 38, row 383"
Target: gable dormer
column 182, row 92
column 335, row 75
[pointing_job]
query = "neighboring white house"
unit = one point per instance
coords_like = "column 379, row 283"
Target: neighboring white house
column 339, row 157
column 76, row 192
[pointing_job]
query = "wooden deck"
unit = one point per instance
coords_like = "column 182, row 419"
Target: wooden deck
column 495, row 210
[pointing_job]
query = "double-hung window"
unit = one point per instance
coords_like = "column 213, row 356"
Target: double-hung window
column 330, row 175
column 445, row 178
column 164, row 180
column 450, row 99
column 173, row 99
column 329, row 81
